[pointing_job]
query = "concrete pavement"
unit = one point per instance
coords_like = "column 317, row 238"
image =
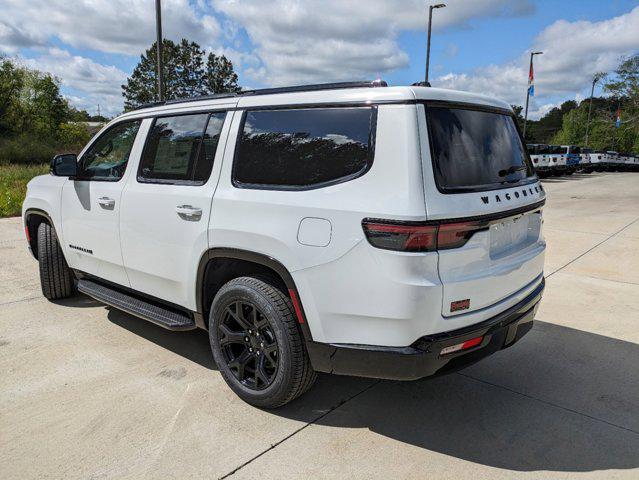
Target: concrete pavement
column 90, row 392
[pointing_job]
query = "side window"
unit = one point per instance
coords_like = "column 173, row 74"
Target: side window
column 304, row 148
column 107, row 157
column 172, row 147
column 204, row 163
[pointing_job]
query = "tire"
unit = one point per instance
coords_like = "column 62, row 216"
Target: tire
column 56, row 278
column 285, row 369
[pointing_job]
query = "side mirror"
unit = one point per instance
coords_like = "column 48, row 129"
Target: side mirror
column 64, row 165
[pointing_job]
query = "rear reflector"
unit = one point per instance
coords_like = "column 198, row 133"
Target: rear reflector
column 419, row 236
column 296, row 305
column 26, row 231
column 473, row 342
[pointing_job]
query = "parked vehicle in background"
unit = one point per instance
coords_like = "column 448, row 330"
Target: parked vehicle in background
column 539, row 155
column 598, row 160
column 626, row 162
column 356, row 229
column 573, row 158
column 557, row 160
column 585, row 161
column 612, row 161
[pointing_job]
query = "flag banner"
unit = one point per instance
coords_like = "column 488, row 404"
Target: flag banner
column 618, row 122
column 531, row 81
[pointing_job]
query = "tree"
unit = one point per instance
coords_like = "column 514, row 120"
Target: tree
column 185, row 74
column 220, row 76
column 11, row 83
column 520, row 118
column 626, row 83
column 622, row 95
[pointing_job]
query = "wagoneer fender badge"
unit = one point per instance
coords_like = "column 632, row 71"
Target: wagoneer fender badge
column 460, row 305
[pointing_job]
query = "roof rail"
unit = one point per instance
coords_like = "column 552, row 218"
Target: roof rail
column 316, row 87
column 270, row 91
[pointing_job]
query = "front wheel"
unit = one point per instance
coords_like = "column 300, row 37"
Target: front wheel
column 56, row 278
column 257, row 343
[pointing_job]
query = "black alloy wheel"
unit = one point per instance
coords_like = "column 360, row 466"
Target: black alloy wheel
column 249, row 345
column 257, row 342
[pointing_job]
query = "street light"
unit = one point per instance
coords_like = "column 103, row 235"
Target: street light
column 596, row 77
column 530, row 80
column 430, row 20
column 158, row 26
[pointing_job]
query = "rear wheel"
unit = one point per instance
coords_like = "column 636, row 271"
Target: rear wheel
column 56, row 278
column 257, row 343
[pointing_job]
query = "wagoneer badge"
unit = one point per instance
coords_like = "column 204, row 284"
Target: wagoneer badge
column 516, row 194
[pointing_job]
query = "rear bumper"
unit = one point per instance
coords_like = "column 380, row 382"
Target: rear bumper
column 422, row 358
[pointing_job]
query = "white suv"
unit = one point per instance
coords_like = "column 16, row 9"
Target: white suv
column 356, row 229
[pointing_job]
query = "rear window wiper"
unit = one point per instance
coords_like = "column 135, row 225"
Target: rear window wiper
column 513, row 169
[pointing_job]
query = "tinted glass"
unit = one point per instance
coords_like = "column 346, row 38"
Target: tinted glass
column 288, row 149
column 205, row 160
column 476, row 150
column 172, row 147
column 107, row 157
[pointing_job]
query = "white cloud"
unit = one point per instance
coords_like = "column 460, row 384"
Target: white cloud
column 573, row 52
column 326, row 40
column 114, row 26
column 13, row 38
column 97, row 83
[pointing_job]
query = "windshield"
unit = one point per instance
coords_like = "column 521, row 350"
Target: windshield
column 474, row 150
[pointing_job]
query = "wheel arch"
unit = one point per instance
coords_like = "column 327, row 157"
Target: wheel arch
column 33, row 217
column 220, row 265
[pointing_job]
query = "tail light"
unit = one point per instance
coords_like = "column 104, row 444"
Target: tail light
column 402, row 237
column 420, row 236
column 455, row 235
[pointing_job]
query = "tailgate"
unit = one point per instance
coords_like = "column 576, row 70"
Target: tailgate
column 480, row 187
column 495, row 263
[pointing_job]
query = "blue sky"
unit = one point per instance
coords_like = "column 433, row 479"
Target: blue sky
column 478, row 45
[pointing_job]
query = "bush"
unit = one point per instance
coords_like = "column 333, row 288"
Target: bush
column 73, row 136
column 26, row 150
column 32, row 149
column 13, row 186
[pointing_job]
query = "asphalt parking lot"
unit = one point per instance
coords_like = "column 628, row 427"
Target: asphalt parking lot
column 89, row 392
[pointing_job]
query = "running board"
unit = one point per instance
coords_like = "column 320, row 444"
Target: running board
column 162, row 316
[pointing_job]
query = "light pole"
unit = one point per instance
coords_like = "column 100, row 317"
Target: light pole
column 430, row 21
column 596, row 77
column 530, row 84
column 158, row 25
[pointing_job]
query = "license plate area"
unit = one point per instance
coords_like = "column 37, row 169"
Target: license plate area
column 513, row 234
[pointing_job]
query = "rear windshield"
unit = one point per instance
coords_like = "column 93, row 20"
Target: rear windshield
column 476, row 150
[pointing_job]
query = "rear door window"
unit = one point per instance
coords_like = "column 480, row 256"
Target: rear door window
column 181, row 149
column 296, row 149
column 476, row 150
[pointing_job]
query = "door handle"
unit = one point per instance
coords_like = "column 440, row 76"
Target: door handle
column 188, row 212
column 106, row 202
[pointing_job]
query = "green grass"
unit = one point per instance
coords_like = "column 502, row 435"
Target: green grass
column 13, row 186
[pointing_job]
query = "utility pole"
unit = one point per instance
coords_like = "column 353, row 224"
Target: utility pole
column 158, row 24
column 98, row 109
column 596, row 77
column 430, row 21
column 530, row 87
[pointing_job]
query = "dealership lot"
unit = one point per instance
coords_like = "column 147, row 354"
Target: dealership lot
column 91, row 392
